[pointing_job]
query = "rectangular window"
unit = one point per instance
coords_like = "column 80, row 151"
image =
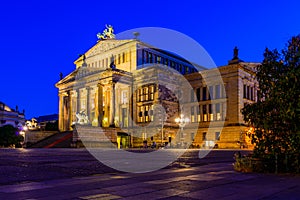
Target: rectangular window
column 204, row 136
column 124, row 97
column 245, row 92
column 124, row 117
column 186, row 69
column 150, row 58
column 218, row 111
column 158, row 59
column 251, row 93
column 218, row 92
column 146, row 113
column 211, row 92
column 192, row 137
column 119, row 58
column 152, row 92
column 146, row 93
column 248, row 92
column 172, row 64
column 217, row 136
column 151, row 113
column 192, row 114
column 123, row 57
column 140, row 95
column 166, row 62
column 204, row 113
column 210, row 111
column 198, row 114
column 198, row 92
column 204, row 93
column 192, row 95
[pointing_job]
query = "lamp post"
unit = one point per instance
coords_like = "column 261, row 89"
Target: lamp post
column 182, row 121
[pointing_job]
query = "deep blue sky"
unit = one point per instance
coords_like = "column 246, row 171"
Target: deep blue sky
column 40, row 39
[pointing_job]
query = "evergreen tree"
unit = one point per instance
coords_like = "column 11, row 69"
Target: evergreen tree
column 276, row 115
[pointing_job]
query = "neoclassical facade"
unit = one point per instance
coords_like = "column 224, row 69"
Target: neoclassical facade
column 134, row 92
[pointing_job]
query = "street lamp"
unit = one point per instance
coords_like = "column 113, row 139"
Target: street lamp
column 182, row 121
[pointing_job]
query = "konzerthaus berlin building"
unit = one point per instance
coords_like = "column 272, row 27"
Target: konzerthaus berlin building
column 135, row 92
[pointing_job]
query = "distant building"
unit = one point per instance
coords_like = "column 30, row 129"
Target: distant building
column 9, row 116
column 118, row 83
column 44, row 119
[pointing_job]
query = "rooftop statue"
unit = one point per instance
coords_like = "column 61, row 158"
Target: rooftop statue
column 108, row 33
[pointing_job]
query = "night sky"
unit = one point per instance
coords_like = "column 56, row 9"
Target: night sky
column 40, row 39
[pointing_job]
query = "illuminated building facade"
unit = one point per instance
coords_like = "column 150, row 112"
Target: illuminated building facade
column 118, row 84
column 9, row 116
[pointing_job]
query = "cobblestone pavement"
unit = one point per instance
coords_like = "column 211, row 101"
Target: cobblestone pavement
column 75, row 174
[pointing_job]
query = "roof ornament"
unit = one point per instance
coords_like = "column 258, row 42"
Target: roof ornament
column 235, row 53
column 108, row 33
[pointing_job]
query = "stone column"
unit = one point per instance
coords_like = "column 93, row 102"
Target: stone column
column 88, row 103
column 112, row 105
column 61, row 112
column 69, row 118
column 78, row 101
column 99, row 105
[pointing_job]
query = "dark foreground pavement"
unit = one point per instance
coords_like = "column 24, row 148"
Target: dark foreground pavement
column 75, row 174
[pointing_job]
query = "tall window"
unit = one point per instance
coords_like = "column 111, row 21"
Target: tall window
column 146, row 113
column 124, row 97
column 192, row 95
column 211, row 92
column 218, row 111
column 124, row 117
column 198, row 92
column 204, row 94
column 198, row 114
column 217, row 136
column 204, row 113
column 123, row 57
column 150, row 58
column 211, row 115
column 152, row 92
column 146, row 93
column 158, row 59
column 192, row 114
column 204, row 136
column 166, row 62
column 119, row 58
column 186, row 70
column 245, row 92
column 218, row 92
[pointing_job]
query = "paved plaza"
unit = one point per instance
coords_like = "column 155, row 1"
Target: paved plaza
column 75, row 174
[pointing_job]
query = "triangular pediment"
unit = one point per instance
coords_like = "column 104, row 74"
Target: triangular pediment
column 105, row 45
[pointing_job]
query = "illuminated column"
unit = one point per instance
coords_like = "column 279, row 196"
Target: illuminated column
column 69, row 107
column 88, row 103
column 78, row 101
column 99, row 105
column 61, row 112
column 112, row 105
